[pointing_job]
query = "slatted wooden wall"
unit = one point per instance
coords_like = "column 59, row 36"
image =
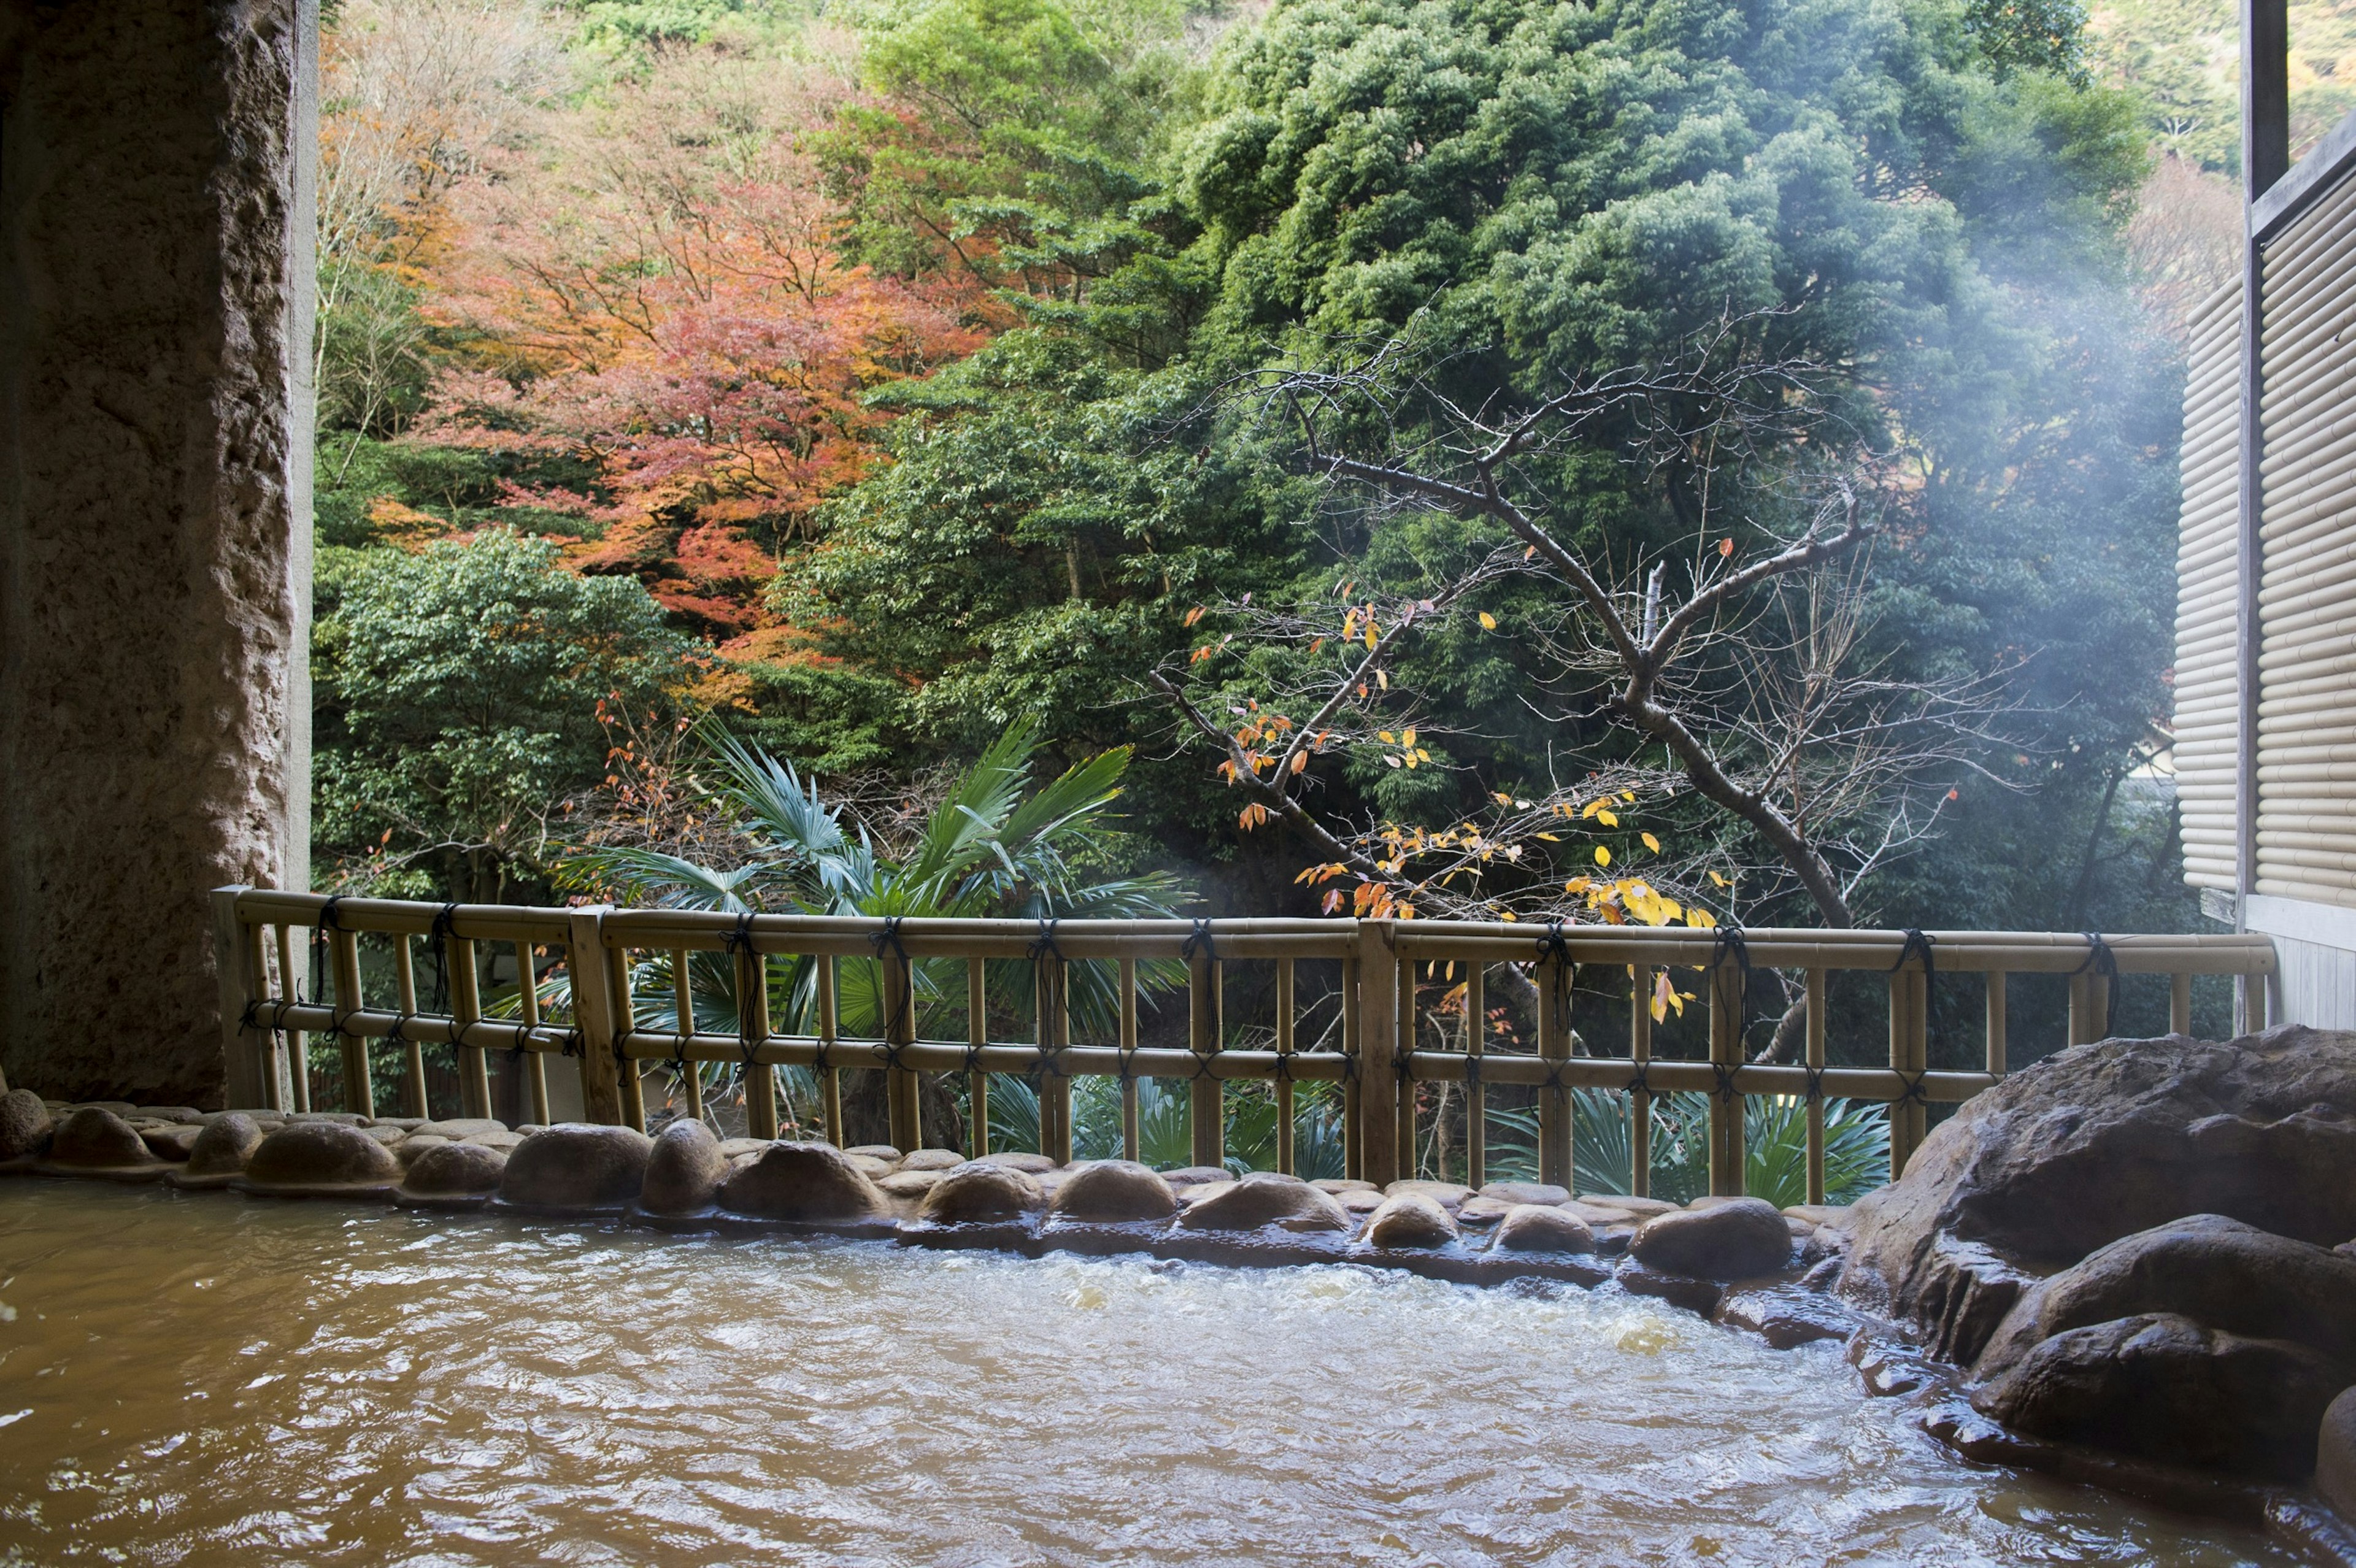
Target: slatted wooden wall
column 2207, row 693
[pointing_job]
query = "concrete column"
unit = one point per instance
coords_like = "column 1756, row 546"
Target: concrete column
column 155, row 297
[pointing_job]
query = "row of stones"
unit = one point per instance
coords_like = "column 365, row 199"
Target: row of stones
column 933, row 1197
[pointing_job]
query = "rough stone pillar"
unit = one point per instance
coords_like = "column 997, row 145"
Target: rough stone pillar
column 155, row 295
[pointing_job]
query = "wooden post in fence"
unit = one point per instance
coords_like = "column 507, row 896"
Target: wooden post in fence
column 532, row 1061
column 1403, row 1107
column 1131, row 1140
column 466, row 1008
column 1284, row 1048
column 1996, row 1022
column 630, row 1071
column 1354, row 1036
column 829, row 1024
column 1639, row 1101
column 1054, row 1034
column 1726, row 1148
column 2180, row 1004
column 593, row 1014
column 900, row 1093
column 1377, row 967
column 413, row 1055
column 1555, row 1135
column 344, row 959
column 1816, row 1060
column 977, row 1035
column 682, row 1003
column 1910, row 993
column 1476, row 1097
column 751, row 1033
column 250, row 1076
column 1206, row 1096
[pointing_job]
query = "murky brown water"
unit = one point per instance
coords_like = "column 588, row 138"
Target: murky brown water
column 207, row 1379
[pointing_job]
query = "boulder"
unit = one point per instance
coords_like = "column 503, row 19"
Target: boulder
column 1525, row 1192
column 2098, row 1143
column 320, row 1158
column 1740, row 1239
column 224, row 1146
column 932, row 1160
column 737, row 1148
column 1543, row 1228
column 884, row 1152
column 93, row 1139
column 1111, row 1192
column 2164, row 1386
column 1787, row 1316
column 1016, row 1159
column 1482, row 1212
column 1411, row 1219
column 415, row 1143
column 573, row 1166
column 25, row 1124
column 171, row 1141
column 2335, row 1456
column 1266, row 1197
column 910, row 1184
column 1627, row 1203
column 447, row 1173
column 869, row 1166
column 1336, row 1185
column 1447, row 1194
column 2217, row 1272
column 804, row 1183
column 186, row 1115
column 980, row 1194
column 1202, row 1175
column 684, row 1170
column 459, row 1128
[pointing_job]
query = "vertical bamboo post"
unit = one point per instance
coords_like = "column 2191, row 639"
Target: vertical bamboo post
column 1206, row 1096
column 2080, row 1005
column 1054, row 1034
column 1376, row 963
column 271, row 1061
column 1131, row 1140
column 1918, row 1054
column 237, row 989
column 1404, row 1107
column 682, row 1004
column 752, row 1031
column 412, row 1062
column 1727, row 1175
column 344, row 958
column 977, row 1035
column 1909, row 1053
column 1815, row 1058
column 829, row 1026
column 1476, row 1096
column 1554, row 976
column 900, row 1094
column 1640, row 1100
column 1996, row 1022
column 2262, row 1007
column 630, row 1070
column 533, row 1062
column 466, row 1008
column 298, row 1043
column 1284, row 1082
column 592, row 1013
column 2180, row 1004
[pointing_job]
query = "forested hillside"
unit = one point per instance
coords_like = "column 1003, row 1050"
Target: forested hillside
column 866, row 382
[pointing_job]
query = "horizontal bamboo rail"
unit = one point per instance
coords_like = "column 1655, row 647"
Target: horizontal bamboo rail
column 261, row 935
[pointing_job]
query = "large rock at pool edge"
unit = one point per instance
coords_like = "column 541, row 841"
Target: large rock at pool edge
column 2164, row 1386
column 452, row 1175
column 1737, row 1238
column 1410, row 1221
column 320, row 1158
column 2095, row 1144
column 223, row 1148
column 804, row 1183
column 2335, row 1456
column 25, row 1124
column 96, row 1139
column 1267, row 1197
column 982, row 1195
column 576, row 1166
column 684, row 1170
column 1114, row 1191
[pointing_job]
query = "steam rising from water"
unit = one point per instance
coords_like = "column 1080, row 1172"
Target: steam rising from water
column 191, row 1377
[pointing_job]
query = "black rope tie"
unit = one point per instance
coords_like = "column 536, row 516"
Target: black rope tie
column 2103, row 965
column 1914, row 1093
column 888, row 941
column 1816, row 1090
column 1640, row 1078
column 739, row 944
column 1918, row 944
column 1051, row 1032
column 1723, row 1073
column 444, row 932
column 1200, row 942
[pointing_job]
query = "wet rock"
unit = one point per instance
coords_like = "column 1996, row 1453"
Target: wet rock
column 910, row 1184
column 1447, row 1194
column 94, row 1138
column 1740, row 1239
column 1016, row 1159
column 341, row 1118
column 1483, row 1212
column 1787, row 1316
column 1836, row 1215
column 448, row 1172
column 1543, row 1228
column 869, row 1166
column 2214, row 1271
column 684, row 1170
column 1823, row 1244
column 732, row 1149
column 458, row 1129
column 573, row 1166
column 1202, row 1175
column 2164, row 1387
column 1598, row 1215
column 122, row 1108
column 2335, row 1456
column 1544, row 1192
column 171, row 1141
column 884, row 1152
column 25, row 1124
column 1265, row 1197
column 390, row 1136
column 2100, row 1142
column 807, row 1183
column 1411, row 1219
column 1338, row 1185
column 1890, row 1369
column 497, row 1139
column 224, row 1146
column 1642, row 1208
column 980, row 1194
column 320, row 1158
column 932, row 1159
column 1612, row 1240
column 1111, row 1191
column 415, row 1143
column 185, row 1116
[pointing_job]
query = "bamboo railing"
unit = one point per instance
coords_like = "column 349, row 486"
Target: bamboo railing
column 265, row 940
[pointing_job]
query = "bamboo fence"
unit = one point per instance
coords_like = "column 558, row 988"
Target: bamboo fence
column 266, row 938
